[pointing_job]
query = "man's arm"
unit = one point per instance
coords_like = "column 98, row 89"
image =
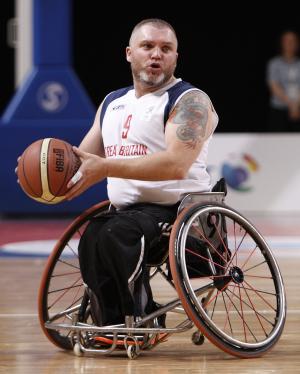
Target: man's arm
column 189, row 125
column 92, row 142
column 293, row 106
column 278, row 91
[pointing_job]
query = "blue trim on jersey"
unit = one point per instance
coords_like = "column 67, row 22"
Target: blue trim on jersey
column 111, row 97
column 174, row 92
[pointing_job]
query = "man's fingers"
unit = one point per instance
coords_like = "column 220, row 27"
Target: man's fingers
column 75, row 191
column 76, row 178
column 78, row 152
column 16, row 169
column 75, row 185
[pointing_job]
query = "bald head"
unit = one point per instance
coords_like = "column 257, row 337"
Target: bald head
column 154, row 22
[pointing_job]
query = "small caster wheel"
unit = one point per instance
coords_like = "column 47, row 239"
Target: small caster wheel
column 77, row 350
column 198, row 338
column 132, row 352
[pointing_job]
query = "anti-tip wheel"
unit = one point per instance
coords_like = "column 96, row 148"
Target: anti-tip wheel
column 132, row 352
column 198, row 338
column 77, row 350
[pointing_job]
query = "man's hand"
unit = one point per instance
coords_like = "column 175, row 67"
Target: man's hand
column 91, row 171
column 16, row 169
column 294, row 112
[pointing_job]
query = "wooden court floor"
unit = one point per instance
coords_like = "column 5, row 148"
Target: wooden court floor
column 25, row 349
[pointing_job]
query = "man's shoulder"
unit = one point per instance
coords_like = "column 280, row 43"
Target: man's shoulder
column 180, row 88
column 175, row 93
column 112, row 96
column 118, row 93
column 277, row 61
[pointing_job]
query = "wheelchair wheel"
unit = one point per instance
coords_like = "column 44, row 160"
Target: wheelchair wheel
column 61, row 289
column 227, row 279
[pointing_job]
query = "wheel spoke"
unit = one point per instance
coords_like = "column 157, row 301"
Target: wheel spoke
column 222, row 241
column 66, row 290
column 227, row 314
column 252, row 309
column 218, row 293
column 266, row 292
column 65, row 274
column 256, row 313
column 214, row 306
column 259, row 295
column 204, row 258
column 242, row 313
column 210, row 244
column 255, row 266
column 236, row 251
column 68, row 264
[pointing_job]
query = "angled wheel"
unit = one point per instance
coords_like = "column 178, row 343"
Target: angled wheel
column 61, row 289
column 227, row 279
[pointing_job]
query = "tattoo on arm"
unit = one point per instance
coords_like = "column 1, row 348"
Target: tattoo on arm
column 191, row 114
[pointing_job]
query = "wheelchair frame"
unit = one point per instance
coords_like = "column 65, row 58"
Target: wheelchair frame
column 206, row 300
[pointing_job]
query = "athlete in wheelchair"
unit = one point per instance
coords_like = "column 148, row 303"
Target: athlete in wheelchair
column 163, row 219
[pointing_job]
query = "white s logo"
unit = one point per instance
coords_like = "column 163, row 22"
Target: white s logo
column 52, row 96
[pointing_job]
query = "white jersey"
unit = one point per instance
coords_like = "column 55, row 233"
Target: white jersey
column 135, row 127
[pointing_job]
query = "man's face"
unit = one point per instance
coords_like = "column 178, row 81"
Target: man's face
column 152, row 54
column 289, row 43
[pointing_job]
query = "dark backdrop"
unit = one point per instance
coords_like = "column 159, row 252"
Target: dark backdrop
column 225, row 57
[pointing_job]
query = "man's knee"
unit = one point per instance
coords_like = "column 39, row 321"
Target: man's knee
column 120, row 230
column 89, row 239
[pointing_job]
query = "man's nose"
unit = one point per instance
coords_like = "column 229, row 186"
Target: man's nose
column 156, row 53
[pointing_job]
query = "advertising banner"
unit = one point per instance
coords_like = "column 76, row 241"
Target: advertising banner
column 262, row 170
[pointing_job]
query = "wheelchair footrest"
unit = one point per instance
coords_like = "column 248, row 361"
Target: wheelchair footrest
column 105, row 340
column 139, row 340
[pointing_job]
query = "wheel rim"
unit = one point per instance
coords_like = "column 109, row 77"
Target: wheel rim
column 230, row 311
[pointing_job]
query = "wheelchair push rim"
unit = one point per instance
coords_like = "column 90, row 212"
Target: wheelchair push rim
column 243, row 309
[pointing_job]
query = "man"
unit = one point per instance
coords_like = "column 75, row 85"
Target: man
column 283, row 78
column 150, row 141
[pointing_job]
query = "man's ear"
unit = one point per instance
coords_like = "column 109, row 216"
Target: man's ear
column 128, row 54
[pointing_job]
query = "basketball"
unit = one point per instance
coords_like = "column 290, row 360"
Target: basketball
column 45, row 168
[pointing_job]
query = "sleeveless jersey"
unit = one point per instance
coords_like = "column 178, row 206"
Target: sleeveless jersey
column 135, row 127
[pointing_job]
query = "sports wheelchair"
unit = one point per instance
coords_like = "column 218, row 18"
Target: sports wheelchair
column 224, row 277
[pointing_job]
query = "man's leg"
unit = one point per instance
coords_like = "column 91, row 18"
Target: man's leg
column 113, row 256
column 95, row 275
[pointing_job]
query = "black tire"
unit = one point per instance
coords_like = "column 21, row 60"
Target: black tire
column 227, row 279
column 61, row 286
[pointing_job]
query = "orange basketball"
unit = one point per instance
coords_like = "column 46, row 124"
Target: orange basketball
column 45, row 168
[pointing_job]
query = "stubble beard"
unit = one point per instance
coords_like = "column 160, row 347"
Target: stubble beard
column 151, row 80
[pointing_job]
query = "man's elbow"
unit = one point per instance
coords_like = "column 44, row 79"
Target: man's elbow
column 180, row 172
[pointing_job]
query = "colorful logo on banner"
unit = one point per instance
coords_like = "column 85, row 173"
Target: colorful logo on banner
column 238, row 171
